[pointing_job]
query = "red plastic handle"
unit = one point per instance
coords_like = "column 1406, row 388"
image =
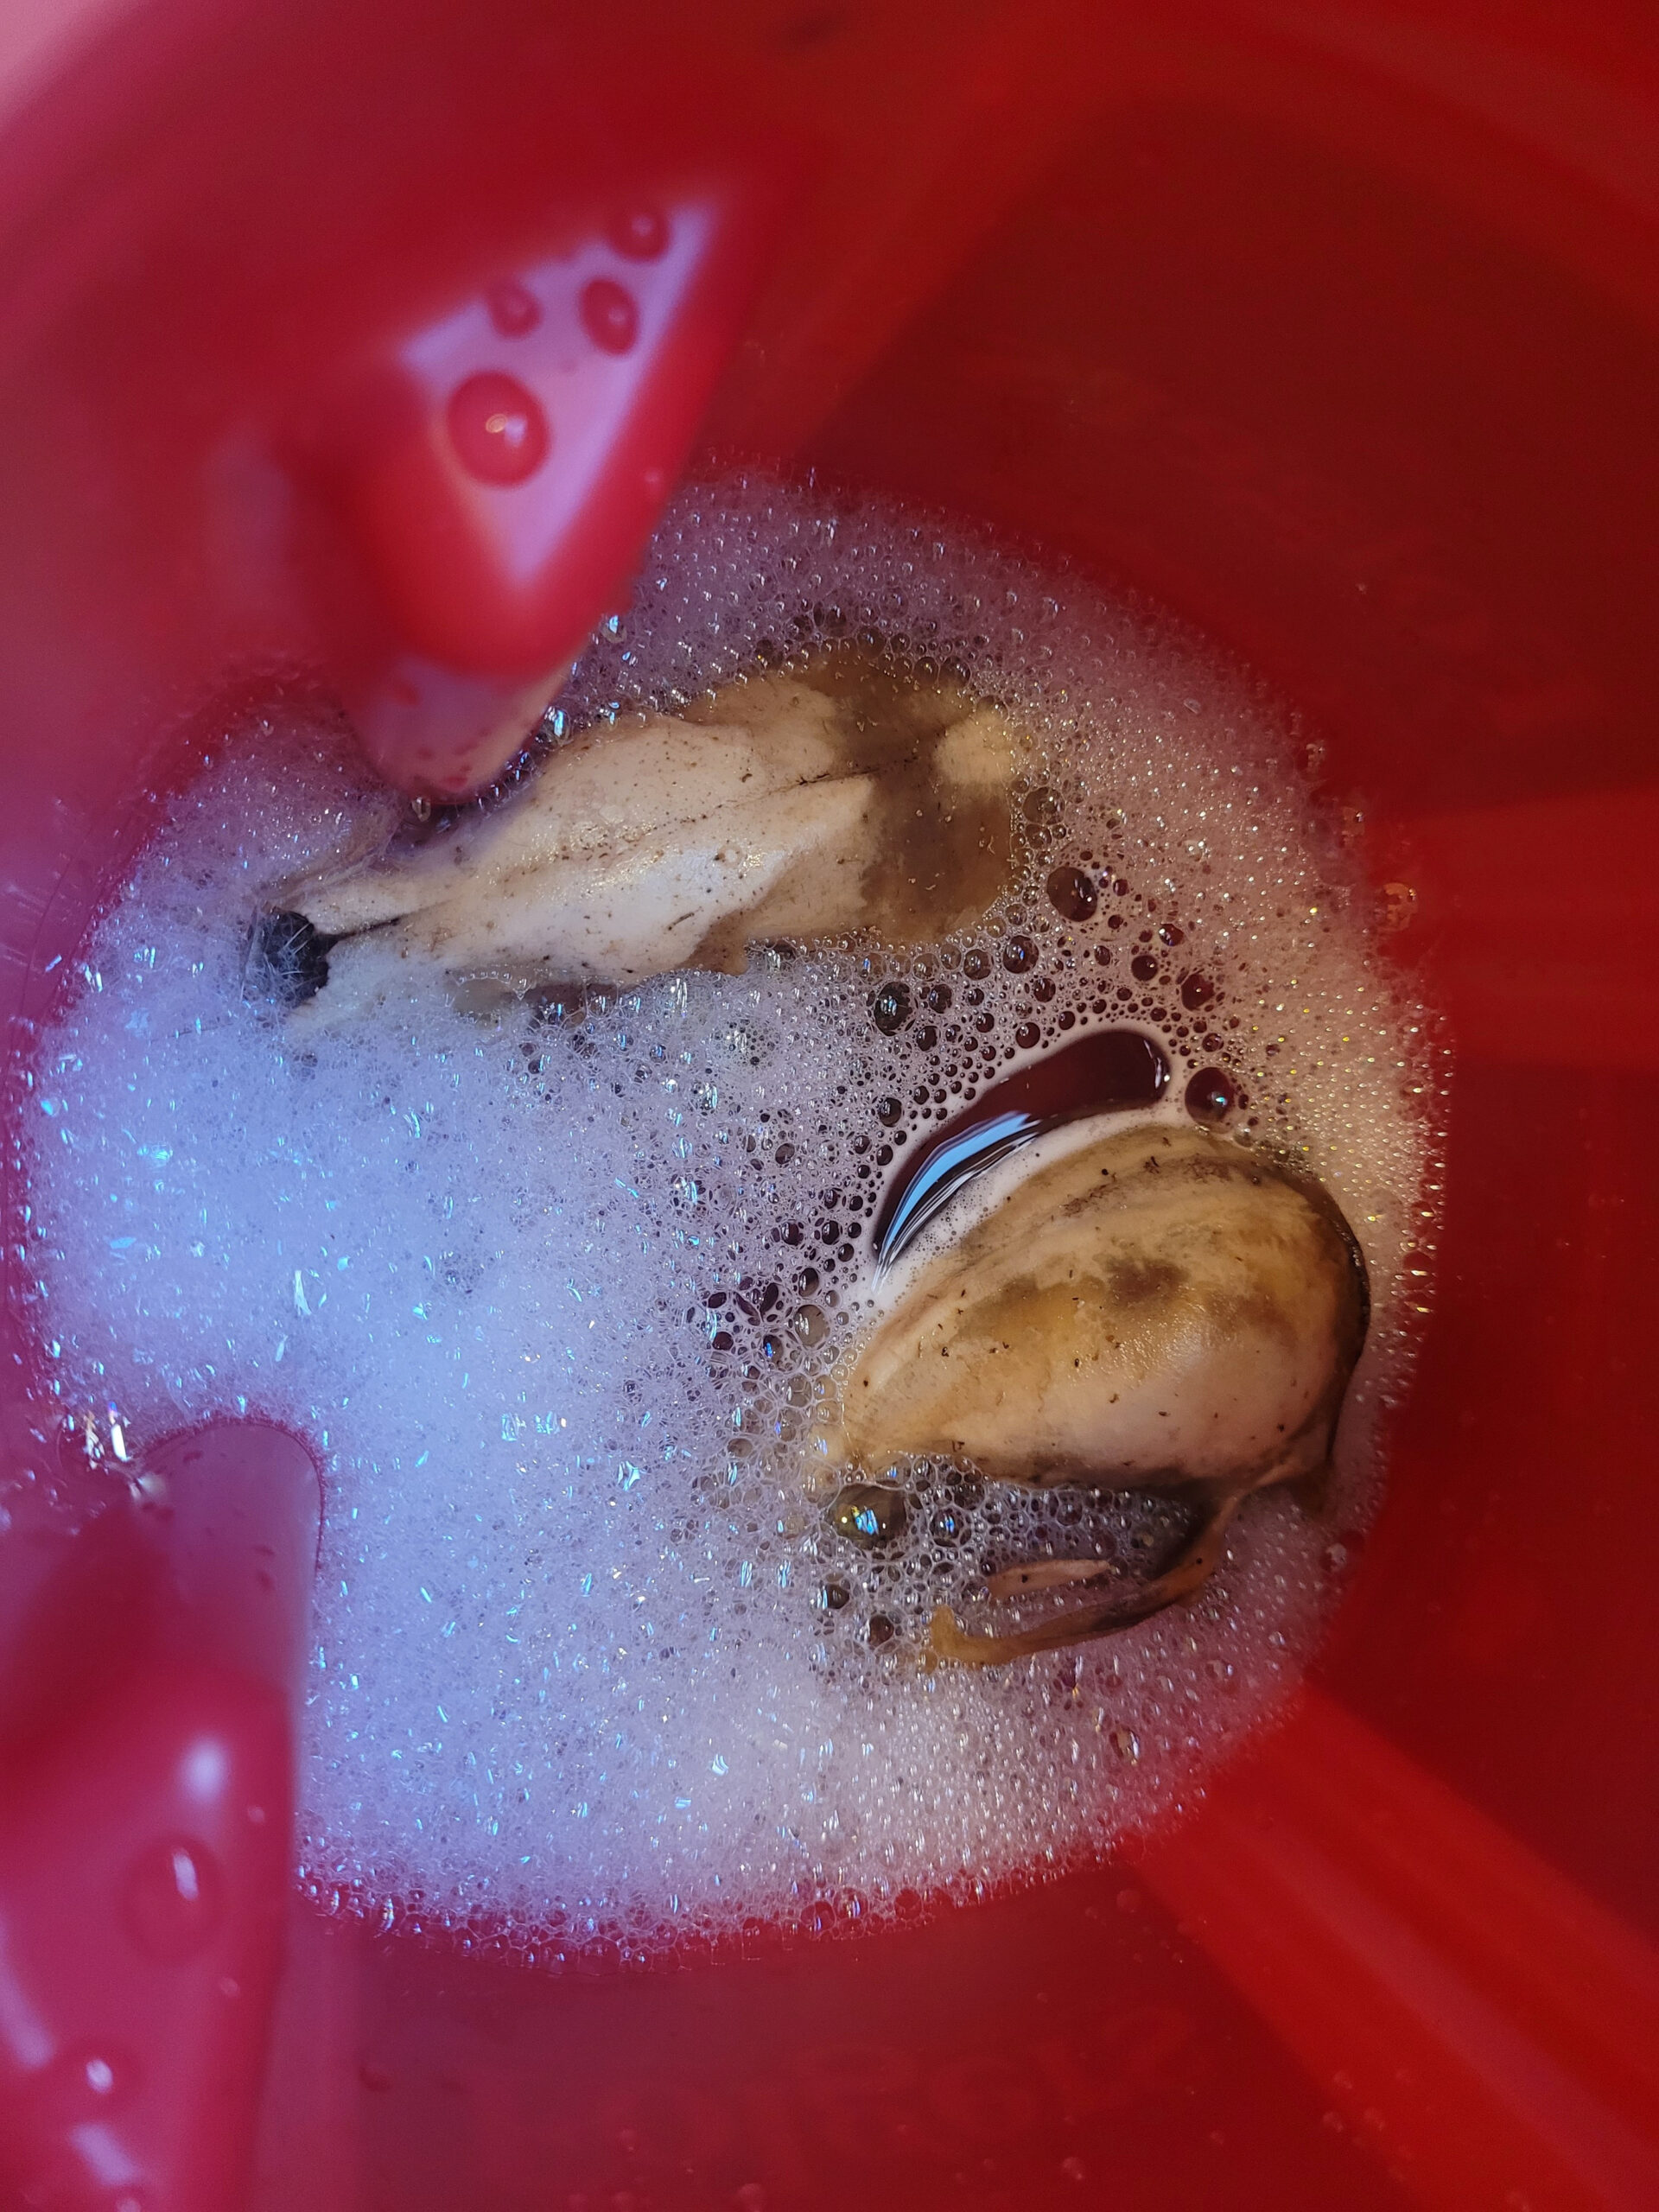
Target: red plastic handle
column 491, row 475
column 141, row 1893
column 145, row 1777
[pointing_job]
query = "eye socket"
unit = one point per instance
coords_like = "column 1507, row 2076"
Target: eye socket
column 287, row 960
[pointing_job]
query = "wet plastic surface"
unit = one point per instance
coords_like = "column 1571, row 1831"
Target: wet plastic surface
column 479, row 487
column 1340, row 335
column 144, row 1837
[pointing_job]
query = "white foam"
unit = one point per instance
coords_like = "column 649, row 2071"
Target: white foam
column 570, row 1667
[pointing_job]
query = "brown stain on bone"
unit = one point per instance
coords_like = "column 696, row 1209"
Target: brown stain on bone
column 936, row 855
column 1145, row 1281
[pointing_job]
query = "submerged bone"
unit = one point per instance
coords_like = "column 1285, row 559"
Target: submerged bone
column 1156, row 1309
column 659, row 903
column 605, row 792
column 786, row 807
column 1125, row 1605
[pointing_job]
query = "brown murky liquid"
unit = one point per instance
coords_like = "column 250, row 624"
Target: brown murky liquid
column 1110, row 1070
column 942, row 853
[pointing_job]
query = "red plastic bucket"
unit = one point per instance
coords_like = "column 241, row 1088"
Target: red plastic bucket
column 1339, row 331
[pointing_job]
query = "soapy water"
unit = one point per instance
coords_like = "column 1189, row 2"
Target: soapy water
column 559, row 1293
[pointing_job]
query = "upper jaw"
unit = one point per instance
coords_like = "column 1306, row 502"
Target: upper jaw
column 783, row 809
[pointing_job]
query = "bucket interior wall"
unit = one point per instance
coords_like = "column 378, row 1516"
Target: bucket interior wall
column 1358, row 379
column 1399, row 463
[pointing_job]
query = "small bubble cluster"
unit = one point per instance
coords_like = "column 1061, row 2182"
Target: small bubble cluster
column 607, row 1649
